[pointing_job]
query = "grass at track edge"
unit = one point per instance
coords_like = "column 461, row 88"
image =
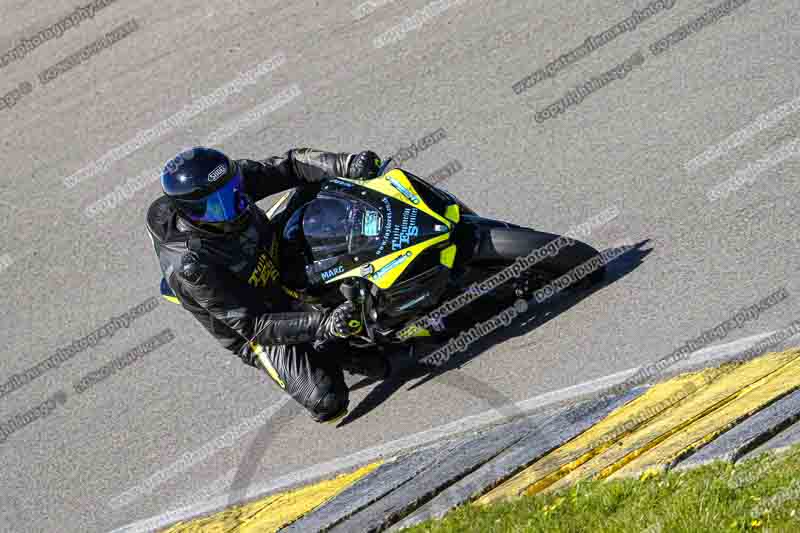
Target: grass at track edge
column 760, row 494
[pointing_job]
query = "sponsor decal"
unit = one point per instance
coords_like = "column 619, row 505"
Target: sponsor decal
column 397, row 261
column 413, row 198
column 387, row 228
column 372, row 223
column 333, row 272
column 265, row 272
column 342, row 183
column 403, row 232
column 217, row 173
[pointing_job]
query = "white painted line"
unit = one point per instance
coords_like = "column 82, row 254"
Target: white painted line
column 699, row 358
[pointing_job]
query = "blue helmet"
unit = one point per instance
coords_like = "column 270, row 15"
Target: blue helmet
column 206, row 186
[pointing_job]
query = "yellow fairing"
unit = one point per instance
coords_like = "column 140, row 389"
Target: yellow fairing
column 421, row 332
column 384, row 280
column 448, row 256
column 453, row 212
column 384, row 186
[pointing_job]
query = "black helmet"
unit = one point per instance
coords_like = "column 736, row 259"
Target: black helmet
column 206, row 187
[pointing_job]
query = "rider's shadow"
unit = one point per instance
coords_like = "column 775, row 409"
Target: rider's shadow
column 412, row 368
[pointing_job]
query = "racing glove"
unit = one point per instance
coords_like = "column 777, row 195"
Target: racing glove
column 337, row 323
column 364, row 166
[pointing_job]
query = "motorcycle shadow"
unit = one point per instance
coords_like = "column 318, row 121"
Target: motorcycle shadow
column 408, row 368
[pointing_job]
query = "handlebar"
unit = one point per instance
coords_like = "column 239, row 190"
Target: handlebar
column 355, row 292
column 384, row 166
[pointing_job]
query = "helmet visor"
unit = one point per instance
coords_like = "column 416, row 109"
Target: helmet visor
column 223, row 205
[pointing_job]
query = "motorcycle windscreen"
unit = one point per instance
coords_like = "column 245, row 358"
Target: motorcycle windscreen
column 334, row 227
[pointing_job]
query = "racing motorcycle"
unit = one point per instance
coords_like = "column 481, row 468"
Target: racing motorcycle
column 397, row 247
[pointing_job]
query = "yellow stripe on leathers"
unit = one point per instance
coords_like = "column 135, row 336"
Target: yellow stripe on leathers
column 274, row 512
column 666, row 422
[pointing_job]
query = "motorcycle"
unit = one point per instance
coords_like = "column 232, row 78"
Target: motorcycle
column 397, row 247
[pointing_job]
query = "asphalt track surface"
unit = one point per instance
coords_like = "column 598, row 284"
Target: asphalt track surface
column 625, row 145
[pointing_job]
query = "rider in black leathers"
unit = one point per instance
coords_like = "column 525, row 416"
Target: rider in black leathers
column 219, row 255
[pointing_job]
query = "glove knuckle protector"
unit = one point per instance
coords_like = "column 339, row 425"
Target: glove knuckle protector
column 365, row 165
